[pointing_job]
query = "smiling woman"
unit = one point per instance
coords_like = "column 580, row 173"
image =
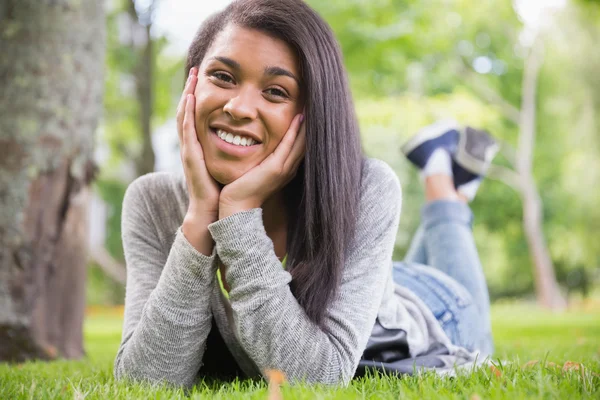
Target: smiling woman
column 247, row 89
column 279, row 205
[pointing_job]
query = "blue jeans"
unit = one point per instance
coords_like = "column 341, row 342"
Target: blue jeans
column 442, row 268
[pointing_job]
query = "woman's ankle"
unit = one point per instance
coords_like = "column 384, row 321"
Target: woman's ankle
column 440, row 187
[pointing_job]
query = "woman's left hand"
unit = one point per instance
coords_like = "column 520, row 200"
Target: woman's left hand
column 253, row 188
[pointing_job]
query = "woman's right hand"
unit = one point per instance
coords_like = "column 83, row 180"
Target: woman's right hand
column 203, row 190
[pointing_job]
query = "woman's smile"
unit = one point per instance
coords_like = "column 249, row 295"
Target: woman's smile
column 247, row 95
column 232, row 143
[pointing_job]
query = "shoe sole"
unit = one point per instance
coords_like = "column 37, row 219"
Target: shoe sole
column 470, row 163
column 428, row 133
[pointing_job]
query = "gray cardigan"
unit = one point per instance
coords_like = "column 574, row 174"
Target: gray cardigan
column 172, row 292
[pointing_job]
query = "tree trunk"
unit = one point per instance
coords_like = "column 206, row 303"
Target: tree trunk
column 143, row 47
column 522, row 180
column 51, row 75
column 145, row 95
column 547, row 289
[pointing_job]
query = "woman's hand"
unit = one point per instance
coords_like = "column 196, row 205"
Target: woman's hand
column 257, row 185
column 203, row 190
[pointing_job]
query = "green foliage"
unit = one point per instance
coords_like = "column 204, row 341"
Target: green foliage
column 102, row 290
column 523, row 333
column 407, row 62
column 112, row 191
column 392, row 46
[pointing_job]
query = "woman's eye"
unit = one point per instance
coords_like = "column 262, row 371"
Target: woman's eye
column 223, row 77
column 276, row 92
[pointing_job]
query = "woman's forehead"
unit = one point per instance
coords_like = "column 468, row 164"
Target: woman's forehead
column 251, row 47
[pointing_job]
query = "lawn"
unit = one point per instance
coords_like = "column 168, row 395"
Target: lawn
column 523, row 333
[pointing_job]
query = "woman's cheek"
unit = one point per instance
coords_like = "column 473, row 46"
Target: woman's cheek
column 203, row 93
column 205, row 99
column 282, row 125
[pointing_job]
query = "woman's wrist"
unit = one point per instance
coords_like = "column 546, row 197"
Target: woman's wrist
column 195, row 230
column 227, row 208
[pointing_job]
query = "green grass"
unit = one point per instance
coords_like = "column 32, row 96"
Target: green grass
column 523, row 333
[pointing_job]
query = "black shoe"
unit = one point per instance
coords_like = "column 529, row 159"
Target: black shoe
column 474, row 154
column 442, row 134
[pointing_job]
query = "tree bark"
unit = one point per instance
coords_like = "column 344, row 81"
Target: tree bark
column 51, row 74
column 547, row 289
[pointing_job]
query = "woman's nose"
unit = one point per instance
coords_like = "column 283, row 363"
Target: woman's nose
column 242, row 105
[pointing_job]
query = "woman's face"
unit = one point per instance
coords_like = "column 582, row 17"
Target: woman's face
column 247, row 94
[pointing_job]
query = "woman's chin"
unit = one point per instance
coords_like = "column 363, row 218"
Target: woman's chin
column 224, row 176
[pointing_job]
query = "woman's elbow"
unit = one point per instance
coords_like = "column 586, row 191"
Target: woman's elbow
column 141, row 374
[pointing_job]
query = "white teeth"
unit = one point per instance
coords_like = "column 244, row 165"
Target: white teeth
column 235, row 139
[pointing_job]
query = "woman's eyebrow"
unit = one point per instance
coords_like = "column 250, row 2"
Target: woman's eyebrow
column 271, row 71
column 278, row 71
column 228, row 61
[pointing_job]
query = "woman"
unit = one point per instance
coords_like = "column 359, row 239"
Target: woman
column 278, row 204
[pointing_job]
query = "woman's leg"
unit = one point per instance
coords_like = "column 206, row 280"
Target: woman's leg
column 437, row 186
column 417, row 253
column 448, row 239
column 459, row 295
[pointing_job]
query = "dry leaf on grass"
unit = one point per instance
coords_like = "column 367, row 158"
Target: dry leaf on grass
column 475, row 396
column 275, row 379
column 530, row 364
column 496, row 371
column 573, row 366
column 533, row 363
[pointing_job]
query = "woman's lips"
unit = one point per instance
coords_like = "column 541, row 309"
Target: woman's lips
column 232, row 149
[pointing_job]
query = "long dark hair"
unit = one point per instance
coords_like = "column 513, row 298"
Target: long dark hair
column 323, row 199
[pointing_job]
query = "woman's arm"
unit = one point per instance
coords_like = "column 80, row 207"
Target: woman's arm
column 270, row 324
column 167, row 309
column 167, row 313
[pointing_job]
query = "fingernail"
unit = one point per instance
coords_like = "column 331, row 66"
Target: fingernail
column 301, row 118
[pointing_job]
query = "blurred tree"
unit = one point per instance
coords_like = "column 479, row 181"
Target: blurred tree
column 570, row 83
column 138, row 87
column 141, row 18
column 51, row 76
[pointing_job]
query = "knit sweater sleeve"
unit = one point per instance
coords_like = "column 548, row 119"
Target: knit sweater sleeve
column 167, row 312
column 272, row 327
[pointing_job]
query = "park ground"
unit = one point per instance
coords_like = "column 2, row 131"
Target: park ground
column 539, row 355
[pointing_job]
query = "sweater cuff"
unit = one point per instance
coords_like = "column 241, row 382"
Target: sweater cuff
column 229, row 230
column 244, row 247
column 190, row 262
